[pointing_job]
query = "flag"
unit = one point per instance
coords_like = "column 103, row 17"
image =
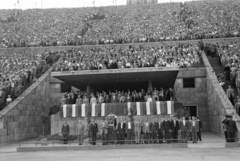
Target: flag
column 83, row 110
column 170, row 105
column 128, row 108
column 103, row 109
column 64, row 111
column 138, row 109
column 158, row 107
column 74, row 110
column 149, row 108
column 95, row 110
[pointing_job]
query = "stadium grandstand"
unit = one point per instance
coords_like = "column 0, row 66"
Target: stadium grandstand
column 141, row 73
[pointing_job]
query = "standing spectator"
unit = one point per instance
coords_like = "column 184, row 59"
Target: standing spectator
column 194, row 128
column 231, row 129
column 184, row 130
column 175, row 128
column 237, row 107
column 146, row 130
column 129, row 128
column 9, row 100
column 65, row 132
column 104, row 131
column 121, row 131
column 199, row 134
column 230, row 94
column 80, row 132
column 238, row 84
column 94, row 131
column 137, row 130
column 224, row 122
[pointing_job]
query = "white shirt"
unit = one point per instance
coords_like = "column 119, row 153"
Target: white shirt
column 121, row 125
column 184, row 122
column 193, row 123
column 146, row 124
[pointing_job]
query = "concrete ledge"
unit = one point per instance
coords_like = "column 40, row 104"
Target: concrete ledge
column 100, row 147
column 232, row 145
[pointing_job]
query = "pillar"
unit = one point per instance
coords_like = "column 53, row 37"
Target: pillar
column 150, row 87
column 88, row 90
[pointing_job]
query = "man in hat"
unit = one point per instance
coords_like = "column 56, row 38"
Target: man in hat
column 194, row 128
column 65, row 132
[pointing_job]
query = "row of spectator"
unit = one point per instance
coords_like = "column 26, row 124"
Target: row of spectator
column 81, row 97
column 111, row 57
column 18, row 70
column 122, row 24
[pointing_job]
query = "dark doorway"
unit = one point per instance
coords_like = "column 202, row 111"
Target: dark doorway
column 192, row 110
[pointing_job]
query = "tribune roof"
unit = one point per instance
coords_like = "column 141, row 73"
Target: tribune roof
column 165, row 76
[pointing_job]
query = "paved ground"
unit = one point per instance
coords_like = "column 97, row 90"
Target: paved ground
column 212, row 148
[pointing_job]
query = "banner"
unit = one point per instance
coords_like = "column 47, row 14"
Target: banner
column 119, row 109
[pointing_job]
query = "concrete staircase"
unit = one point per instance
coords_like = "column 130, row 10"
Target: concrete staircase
column 217, row 67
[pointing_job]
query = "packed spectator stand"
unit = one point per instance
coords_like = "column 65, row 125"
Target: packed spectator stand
column 18, row 70
column 119, row 57
column 120, row 24
column 81, row 97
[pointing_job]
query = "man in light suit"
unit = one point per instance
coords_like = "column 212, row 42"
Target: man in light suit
column 129, row 129
column 104, row 131
column 146, row 130
column 80, row 132
column 65, row 132
column 194, row 128
column 137, row 130
column 184, row 130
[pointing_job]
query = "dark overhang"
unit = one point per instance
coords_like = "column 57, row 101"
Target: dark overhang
column 165, row 76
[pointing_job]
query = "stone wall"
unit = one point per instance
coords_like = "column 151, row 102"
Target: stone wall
column 194, row 96
column 20, row 120
column 188, row 96
column 218, row 103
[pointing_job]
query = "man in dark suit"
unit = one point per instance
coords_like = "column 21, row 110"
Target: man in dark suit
column 167, row 130
column 199, row 134
column 151, row 131
column 65, row 132
column 156, row 129
column 129, row 129
column 121, row 131
column 104, row 131
column 231, row 129
column 160, row 131
column 94, row 131
column 174, row 129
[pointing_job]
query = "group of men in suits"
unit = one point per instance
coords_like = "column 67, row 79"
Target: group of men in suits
column 145, row 130
column 230, row 128
column 159, row 130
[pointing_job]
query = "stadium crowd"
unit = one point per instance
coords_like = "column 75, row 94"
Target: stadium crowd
column 19, row 69
column 105, row 57
column 81, row 97
column 121, row 24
